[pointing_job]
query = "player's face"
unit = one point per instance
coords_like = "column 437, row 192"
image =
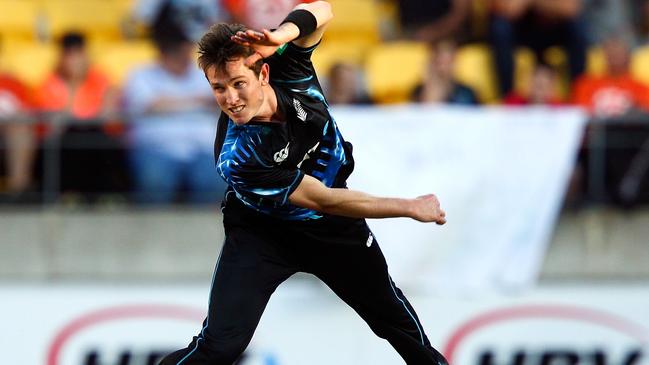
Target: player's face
column 238, row 90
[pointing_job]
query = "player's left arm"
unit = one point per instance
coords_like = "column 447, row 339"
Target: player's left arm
column 303, row 26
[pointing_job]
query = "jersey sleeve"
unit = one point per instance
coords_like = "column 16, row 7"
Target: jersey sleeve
column 292, row 63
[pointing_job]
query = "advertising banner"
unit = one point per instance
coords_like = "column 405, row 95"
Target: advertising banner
column 306, row 324
column 500, row 174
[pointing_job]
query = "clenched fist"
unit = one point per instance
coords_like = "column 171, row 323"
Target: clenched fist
column 426, row 209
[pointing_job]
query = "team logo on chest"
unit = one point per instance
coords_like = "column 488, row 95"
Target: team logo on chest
column 301, row 113
column 282, row 154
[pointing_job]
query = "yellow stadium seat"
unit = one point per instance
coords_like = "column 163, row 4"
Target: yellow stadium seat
column 117, row 59
column 640, row 64
column 329, row 53
column 29, row 61
column 474, row 67
column 394, row 69
column 354, row 20
column 595, row 62
column 96, row 18
column 18, row 18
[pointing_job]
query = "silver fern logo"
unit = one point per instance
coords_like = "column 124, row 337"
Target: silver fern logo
column 282, row 154
column 301, row 113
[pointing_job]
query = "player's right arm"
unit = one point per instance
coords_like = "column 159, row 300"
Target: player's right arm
column 266, row 42
column 312, row 194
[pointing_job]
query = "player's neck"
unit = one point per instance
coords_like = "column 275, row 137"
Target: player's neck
column 269, row 112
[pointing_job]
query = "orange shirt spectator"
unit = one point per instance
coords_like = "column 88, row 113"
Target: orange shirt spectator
column 610, row 95
column 86, row 102
column 76, row 89
column 616, row 92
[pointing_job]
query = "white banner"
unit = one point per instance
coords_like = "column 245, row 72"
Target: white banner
column 499, row 173
column 306, row 324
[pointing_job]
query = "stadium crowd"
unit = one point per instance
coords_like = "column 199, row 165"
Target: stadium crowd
column 122, row 108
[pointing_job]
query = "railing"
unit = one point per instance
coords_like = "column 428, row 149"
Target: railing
column 614, row 159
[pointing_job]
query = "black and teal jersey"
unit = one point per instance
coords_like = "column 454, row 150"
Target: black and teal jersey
column 264, row 162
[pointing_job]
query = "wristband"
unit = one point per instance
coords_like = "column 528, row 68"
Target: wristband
column 304, row 20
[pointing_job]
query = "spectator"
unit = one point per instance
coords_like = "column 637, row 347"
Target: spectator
column 616, row 92
column 641, row 20
column 82, row 97
column 260, row 14
column 191, row 17
column 439, row 85
column 537, row 24
column 17, row 149
column 432, row 21
column 173, row 124
column 607, row 16
column 543, row 89
column 345, row 85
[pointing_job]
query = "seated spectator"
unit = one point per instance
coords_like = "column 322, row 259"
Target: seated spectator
column 81, row 97
column 345, row 86
column 173, row 117
column 543, row 89
column 439, row 85
column 616, row 92
column 539, row 25
column 432, row 21
column 260, row 14
column 18, row 145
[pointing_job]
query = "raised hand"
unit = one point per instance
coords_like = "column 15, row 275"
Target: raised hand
column 264, row 43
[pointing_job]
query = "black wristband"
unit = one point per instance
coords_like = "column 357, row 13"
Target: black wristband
column 304, row 20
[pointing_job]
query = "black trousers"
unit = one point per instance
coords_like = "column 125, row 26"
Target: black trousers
column 259, row 253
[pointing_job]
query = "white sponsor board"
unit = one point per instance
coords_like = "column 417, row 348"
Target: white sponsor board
column 500, row 174
column 306, row 324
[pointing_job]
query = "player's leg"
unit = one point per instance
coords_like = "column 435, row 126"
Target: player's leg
column 249, row 269
column 360, row 277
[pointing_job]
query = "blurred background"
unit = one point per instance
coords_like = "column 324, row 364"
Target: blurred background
column 528, row 118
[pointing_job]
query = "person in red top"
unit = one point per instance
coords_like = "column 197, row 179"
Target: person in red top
column 19, row 146
column 83, row 98
column 543, row 89
column 616, row 92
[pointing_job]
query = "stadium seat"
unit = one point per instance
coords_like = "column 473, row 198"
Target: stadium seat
column 117, row 59
column 595, row 62
column 18, row 19
column 394, row 69
column 329, row 53
column 96, row 18
column 30, row 61
column 474, row 67
column 356, row 21
column 640, row 64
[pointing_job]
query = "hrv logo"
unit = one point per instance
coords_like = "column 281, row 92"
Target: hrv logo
column 301, row 113
column 282, row 154
column 548, row 335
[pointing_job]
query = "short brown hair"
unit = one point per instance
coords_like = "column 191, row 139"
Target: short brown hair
column 216, row 47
